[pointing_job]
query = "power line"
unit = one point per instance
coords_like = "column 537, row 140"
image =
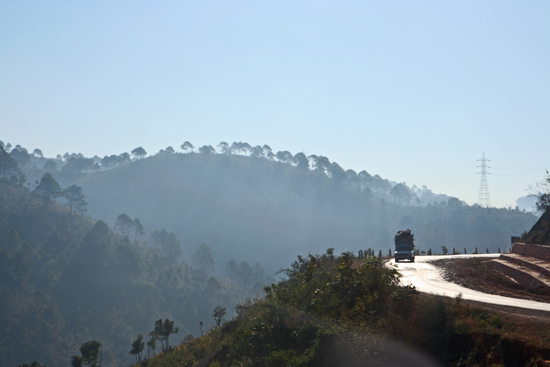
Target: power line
column 484, row 200
column 522, row 162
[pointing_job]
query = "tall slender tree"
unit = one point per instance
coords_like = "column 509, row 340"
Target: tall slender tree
column 301, row 161
column 163, row 330
column 168, row 244
column 48, row 189
column 138, row 345
column 257, row 151
column 232, row 268
column 9, row 170
column 541, row 190
column 187, row 147
column 139, row 230
column 245, row 273
column 152, row 342
column 139, row 152
column 90, row 355
column 204, row 259
column 218, row 314
column 207, row 149
column 75, row 199
column 124, row 224
column 224, row 148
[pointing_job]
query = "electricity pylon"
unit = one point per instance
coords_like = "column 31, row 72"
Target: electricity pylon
column 484, row 200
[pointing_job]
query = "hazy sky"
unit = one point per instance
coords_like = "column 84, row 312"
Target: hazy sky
column 414, row 91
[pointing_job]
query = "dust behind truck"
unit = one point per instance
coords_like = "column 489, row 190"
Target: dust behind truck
column 404, row 246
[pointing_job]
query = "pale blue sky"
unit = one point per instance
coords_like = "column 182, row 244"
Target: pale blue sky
column 414, row 91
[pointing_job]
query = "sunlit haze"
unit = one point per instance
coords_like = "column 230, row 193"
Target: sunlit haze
column 412, row 91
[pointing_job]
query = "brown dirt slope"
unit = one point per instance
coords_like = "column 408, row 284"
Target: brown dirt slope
column 531, row 326
column 479, row 275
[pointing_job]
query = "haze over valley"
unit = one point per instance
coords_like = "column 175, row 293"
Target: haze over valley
column 130, row 238
column 166, row 167
column 251, row 201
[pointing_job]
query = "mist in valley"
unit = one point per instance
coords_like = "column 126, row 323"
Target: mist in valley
column 102, row 248
column 250, row 203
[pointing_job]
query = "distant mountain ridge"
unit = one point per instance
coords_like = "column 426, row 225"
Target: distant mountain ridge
column 78, row 281
column 77, row 164
column 269, row 207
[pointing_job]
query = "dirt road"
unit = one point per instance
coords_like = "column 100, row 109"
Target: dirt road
column 427, row 278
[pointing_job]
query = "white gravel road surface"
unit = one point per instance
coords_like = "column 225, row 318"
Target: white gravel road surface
column 428, row 279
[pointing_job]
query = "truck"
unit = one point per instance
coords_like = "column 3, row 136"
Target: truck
column 404, row 246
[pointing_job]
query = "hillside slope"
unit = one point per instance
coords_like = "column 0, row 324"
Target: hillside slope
column 67, row 279
column 261, row 209
column 344, row 311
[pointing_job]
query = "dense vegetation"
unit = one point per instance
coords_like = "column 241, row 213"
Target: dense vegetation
column 261, row 208
column 250, row 203
column 351, row 312
column 540, row 232
column 66, row 279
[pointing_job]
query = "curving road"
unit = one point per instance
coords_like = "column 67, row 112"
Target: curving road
column 427, row 278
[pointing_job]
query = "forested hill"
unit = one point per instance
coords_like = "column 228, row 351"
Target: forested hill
column 190, row 232
column 269, row 211
column 248, row 202
column 66, row 279
column 334, row 311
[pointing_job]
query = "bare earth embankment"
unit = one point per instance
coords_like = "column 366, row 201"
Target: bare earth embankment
column 478, row 275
